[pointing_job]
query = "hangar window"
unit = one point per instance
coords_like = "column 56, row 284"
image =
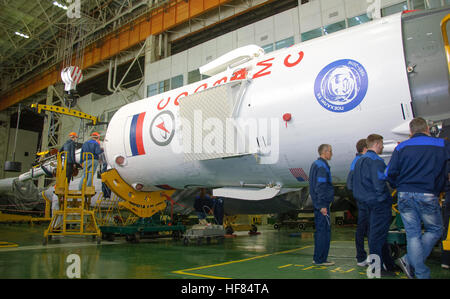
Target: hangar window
column 267, row 48
column 417, row 4
column 163, row 86
column 285, row 43
column 334, row 27
column 194, row 76
column 390, row 10
column 433, row 4
column 176, row 82
column 311, row 34
column 358, row 20
column 152, row 89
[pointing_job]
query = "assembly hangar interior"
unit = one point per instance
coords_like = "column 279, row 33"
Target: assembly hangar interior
column 119, row 52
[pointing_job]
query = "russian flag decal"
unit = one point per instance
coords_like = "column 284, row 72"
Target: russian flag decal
column 299, row 174
column 133, row 129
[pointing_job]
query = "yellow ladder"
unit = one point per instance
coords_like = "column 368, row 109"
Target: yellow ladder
column 444, row 22
column 75, row 205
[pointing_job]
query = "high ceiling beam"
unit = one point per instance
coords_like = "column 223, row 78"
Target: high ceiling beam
column 157, row 21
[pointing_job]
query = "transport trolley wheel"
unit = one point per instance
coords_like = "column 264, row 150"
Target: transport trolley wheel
column 137, row 237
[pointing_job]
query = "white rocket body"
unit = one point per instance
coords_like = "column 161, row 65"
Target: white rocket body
column 335, row 89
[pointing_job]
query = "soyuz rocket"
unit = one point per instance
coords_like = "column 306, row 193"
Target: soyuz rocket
column 251, row 130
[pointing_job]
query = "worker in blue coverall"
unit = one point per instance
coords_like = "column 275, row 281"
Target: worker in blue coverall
column 362, row 228
column 322, row 195
column 370, row 187
column 90, row 146
column 418, row 170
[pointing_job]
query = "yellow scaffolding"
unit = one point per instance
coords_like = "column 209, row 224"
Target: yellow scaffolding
column 444, row 22
column 109, row 212
column 77, row 218
column 48, row 205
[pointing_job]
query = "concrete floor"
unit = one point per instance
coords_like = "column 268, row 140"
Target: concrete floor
column 271, row 254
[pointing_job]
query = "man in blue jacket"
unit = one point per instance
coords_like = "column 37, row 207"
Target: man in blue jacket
column 362, row 227
column 90, row 146
column 417, row 170
column 322, row 194
column 370, row 187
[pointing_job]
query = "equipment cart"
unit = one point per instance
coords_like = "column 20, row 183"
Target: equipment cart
column 151, row 227
column 200, row 232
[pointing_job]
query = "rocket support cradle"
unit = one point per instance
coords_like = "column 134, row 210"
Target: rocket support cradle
column 143, row 204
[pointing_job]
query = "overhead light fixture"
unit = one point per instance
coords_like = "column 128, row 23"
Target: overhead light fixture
column 56, row 3
column 21, row 34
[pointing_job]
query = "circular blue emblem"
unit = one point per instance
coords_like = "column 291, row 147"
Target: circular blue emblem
column 341, row 85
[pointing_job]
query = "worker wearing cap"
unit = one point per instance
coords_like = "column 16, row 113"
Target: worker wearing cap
column 69, row 148
column 90, row 146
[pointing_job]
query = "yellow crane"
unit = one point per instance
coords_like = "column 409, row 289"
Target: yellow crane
column 65, row 111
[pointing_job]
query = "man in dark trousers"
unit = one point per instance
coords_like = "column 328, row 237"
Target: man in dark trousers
column 90, row 146
column 370, row 187
column 69, row 148
column 322, row 194
column 362, row 228
column 418, row 170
